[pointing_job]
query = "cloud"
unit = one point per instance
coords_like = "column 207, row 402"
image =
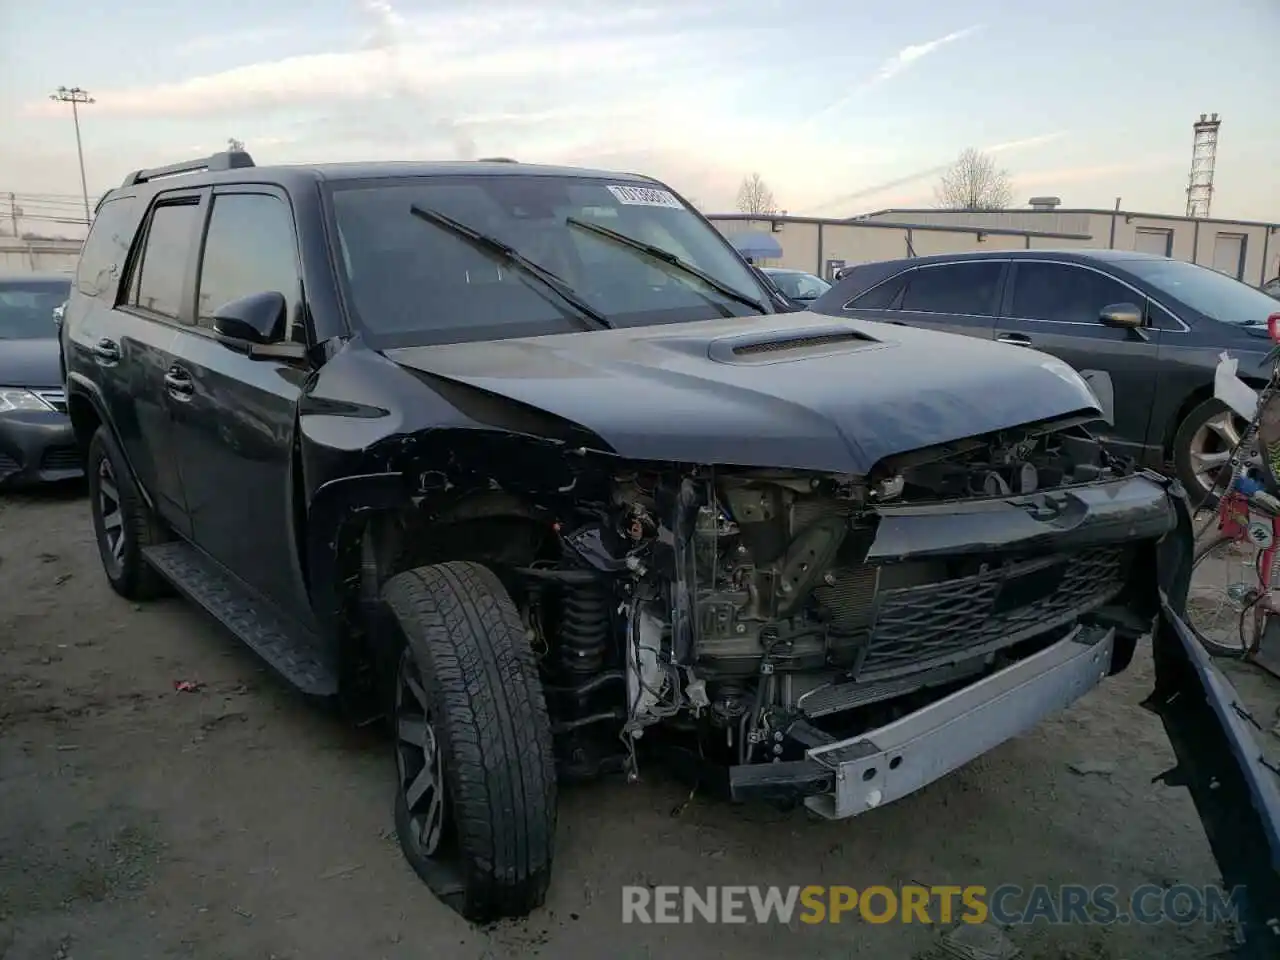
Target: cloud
column 513, row 78
column 913, row 53
column 888, row 192
column 901, row 61
column 1085, row 174
column 386, row 26
column 1026, row 142
column 468, row 54
column 233, row 39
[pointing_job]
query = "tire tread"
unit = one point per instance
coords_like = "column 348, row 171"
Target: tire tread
column 496, row 734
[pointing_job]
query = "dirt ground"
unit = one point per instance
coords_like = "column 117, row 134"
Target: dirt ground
column 238, row 822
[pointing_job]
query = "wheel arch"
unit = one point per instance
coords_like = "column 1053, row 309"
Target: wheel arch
column 372, row 526
column 87, row 412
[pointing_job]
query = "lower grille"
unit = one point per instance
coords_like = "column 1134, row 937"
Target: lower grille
column 8, row 464
column 60, row 458
column 920, row 626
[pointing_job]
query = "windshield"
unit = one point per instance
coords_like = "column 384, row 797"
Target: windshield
column 26, row 308
column 1209, row 292
column 799, row 286
column 413, row 281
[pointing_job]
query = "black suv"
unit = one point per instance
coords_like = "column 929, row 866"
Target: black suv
column 524, row 459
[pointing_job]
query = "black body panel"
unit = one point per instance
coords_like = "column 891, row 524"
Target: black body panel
column 792, row 391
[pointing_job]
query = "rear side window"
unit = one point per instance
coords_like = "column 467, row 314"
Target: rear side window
column 104, row 253
column 965, row 288
column 880, row 297
column 162, row 270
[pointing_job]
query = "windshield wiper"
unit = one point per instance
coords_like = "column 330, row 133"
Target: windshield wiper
column 509, row 254
column 669, row 258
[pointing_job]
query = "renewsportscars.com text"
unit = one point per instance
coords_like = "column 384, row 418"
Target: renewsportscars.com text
column 1006, row 905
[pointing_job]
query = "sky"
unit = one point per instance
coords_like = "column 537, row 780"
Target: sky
column 842, row 107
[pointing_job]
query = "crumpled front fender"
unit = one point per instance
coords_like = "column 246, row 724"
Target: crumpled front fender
column 1235, row 791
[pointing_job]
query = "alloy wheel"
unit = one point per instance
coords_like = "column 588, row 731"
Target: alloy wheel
column 109, row 508
column 418, row 761
column 1211, row 446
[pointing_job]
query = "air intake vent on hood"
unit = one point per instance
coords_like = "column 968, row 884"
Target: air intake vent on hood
column 802, row 342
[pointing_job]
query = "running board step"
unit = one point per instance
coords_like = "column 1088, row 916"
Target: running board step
column 285, row 644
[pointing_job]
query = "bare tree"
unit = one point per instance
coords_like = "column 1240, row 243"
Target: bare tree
column 234, row 145
column 754, row 196
column 974, row 182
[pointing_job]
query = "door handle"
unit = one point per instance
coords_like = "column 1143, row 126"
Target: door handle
column 1017, row 339
column 178, row 382
column 106, row 350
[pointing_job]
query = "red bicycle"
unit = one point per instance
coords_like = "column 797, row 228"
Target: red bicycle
column 1235, row 587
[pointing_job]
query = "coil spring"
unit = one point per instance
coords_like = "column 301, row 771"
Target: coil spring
column 584, row 629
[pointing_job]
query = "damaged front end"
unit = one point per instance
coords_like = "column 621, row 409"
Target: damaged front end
column 836, row 640
column 840, row 640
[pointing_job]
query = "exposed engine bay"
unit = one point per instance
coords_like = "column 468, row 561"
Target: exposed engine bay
column 753, row 610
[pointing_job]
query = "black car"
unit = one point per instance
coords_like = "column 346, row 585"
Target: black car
column 1145, row 330
column 524, row 459
column 797, row 286
column 37, row 444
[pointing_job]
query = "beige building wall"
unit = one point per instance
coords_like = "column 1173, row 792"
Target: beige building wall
column 810, row 244
column 1208, row 242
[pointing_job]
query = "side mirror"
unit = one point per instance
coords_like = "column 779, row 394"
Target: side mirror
column 255, row 325
column 59, row 314
column 255, row 319
column 1125, row 316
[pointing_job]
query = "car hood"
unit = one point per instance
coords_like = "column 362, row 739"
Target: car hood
column 793, row 390
column 30, row 363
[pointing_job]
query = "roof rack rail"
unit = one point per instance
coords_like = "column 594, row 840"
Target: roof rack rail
column 215, row 162
column 496, row 160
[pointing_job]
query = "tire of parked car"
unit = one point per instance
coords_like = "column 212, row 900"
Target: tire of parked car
column 476, row 780
column 123, row 523
column 1185, row 438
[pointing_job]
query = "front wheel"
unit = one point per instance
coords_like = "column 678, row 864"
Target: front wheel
column 1224, row 585
column 476, row 784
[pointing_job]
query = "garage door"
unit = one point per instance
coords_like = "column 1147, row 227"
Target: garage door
column 1228, row 253
column 1153, row 240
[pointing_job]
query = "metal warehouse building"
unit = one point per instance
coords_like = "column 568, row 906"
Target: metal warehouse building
column 1247, row 250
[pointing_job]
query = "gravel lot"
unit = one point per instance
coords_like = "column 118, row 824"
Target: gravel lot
column 137, row 821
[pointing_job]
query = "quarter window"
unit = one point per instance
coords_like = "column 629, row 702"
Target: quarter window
column 251, row 247
column 1065, row 293
column 968, row 288
column 879, row 297
column 163, row 267
column 107, row 246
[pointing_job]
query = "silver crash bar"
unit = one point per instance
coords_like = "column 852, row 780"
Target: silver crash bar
column 886, row 764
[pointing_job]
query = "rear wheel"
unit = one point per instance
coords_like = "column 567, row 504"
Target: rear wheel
column 1202, row 449
column 476, row 789
column 122, row 522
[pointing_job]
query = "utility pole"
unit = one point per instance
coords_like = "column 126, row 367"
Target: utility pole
column 75, row 96
column 13, row 213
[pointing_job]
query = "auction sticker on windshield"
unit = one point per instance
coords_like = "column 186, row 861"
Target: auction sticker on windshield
column 646, row 197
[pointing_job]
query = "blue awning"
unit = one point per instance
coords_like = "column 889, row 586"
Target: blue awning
column 757, row 246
